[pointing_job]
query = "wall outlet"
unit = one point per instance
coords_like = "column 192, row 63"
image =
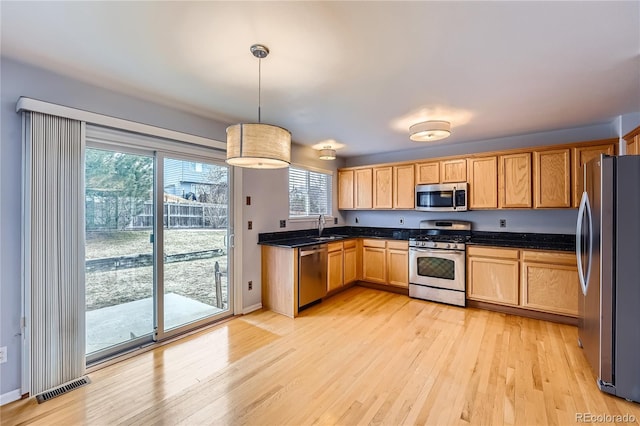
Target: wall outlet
column 250, row 225
column 335, row 220
column 250, row 285
column 402, row 221
column 248, row 200
column 283, row 224
column 357, row 219
column 3, row 355
column 503, row 223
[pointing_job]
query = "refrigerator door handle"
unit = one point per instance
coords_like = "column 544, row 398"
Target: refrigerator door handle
column 585, row 209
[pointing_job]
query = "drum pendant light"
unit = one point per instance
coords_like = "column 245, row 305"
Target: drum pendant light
column 258, row 145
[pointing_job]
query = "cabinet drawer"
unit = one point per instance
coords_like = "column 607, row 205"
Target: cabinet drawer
column 398, row 245
column 334, row 246
column 553, row 258
column 349, row 244
column 501, row 253
column 374, row 243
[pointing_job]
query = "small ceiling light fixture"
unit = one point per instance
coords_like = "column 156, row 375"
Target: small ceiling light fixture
column 428, row 131
column 258, row 145
column 327, row 153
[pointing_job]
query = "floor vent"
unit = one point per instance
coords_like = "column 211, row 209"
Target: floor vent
column 60, row 390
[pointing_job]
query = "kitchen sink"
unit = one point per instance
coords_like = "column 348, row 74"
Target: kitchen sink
column 330, row 237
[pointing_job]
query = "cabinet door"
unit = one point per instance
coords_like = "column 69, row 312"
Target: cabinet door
column 382, row 187
column 493, row 280
column 633, row 145
column 363, row 187
column 552, row 173
column 549, row 282
column 582, row 155
column 483, row 182
column 334, row 270
column 345, row 189
column 427, row 173
column 514, row 181
column 404, row 188
column 374, row 265
column 398, row 267
column 350, row 271
column 453, row 170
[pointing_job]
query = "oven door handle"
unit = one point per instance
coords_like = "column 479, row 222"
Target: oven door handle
column 438, row 252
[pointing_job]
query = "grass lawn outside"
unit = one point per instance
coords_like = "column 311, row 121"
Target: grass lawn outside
column 194, row 279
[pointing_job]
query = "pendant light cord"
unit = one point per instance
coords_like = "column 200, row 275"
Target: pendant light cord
column 259, row 87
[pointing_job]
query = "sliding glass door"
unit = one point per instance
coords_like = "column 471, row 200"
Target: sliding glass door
column 119, row 265
column 157, row 230
column 194, row 243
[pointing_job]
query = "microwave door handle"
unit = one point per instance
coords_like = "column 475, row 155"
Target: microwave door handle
column 454, row 198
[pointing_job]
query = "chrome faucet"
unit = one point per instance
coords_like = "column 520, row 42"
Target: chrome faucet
column 321, row 223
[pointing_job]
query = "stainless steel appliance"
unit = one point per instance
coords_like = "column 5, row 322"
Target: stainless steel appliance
column 312, row 274
column 437, row 261
column 442, row 197
column 608, row 252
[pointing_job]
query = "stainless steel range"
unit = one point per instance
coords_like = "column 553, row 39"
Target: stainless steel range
column 437, row 261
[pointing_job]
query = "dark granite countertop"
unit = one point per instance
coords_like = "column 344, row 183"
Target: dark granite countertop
column 306, row 237
column 526, row 240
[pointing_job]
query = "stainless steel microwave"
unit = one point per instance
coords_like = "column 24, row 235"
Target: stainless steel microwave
column 443, row 197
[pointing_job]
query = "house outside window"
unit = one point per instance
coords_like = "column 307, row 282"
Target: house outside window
column 310, row 193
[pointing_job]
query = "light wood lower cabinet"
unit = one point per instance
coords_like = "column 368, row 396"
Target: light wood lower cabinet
column 549, row 282
column 385, row 262
column 398, row 263
column 280, row 280
column 539, row 280
column 492, row 275
column 374, row 261
column 335, row 266
column 350, row 269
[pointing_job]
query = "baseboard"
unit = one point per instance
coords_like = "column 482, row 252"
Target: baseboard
column 251, row 308
column 8, row 397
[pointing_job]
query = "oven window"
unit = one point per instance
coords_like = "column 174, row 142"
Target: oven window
column 436, row 267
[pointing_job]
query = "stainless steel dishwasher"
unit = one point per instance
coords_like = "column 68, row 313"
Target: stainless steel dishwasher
column 312, row 274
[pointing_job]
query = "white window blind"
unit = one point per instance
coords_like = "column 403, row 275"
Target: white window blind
column 309, row 193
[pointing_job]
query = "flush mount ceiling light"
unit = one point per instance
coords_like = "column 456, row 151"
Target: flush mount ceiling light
column 428, row 131
column 327, row 149
column 327, row 153
column 258, row 145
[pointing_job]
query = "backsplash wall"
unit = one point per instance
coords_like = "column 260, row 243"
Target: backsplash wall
column 541, row 221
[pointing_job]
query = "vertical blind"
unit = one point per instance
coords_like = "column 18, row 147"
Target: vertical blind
column 53, row 249
column 309, row 193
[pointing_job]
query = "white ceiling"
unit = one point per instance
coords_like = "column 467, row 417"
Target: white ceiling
column 357, row 72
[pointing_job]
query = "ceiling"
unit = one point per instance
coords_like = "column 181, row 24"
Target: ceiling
column 359, row 73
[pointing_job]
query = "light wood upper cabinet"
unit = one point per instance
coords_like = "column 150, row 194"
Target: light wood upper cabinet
column 492, row 275
column 345, row 189
column 383, row 187
column 549, row 282
column 633, row 145
column 452, row 171
column 552, row 178
column 581, row 156
column 363, row 188
column 403, row 187
column 483, row 182
column 514, row 180
column 428, row 173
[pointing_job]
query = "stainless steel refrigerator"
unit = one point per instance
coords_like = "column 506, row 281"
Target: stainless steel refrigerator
column 608, row 251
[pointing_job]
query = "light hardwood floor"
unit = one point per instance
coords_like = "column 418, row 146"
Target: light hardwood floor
column 360, row 357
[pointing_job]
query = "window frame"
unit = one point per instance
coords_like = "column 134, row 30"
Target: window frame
column 313, row 217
